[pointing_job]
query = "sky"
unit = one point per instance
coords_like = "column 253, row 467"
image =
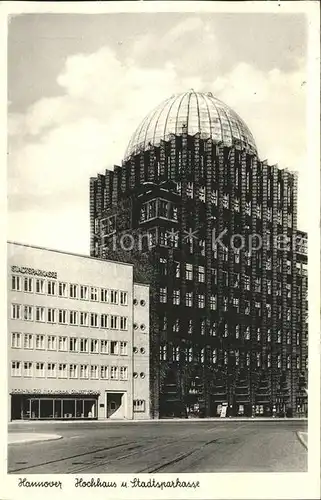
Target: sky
column 79, row 85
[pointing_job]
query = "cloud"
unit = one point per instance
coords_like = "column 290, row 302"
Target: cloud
column 59, row 142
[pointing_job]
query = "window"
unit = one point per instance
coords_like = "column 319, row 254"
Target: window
column 40, row 314
column 258, row 334
column 73, row 291
column 279, row 337
column 104, row 346
column 114, row 372
column 237, row 331
column 104, row 321
column 16, row 283
column 113, row 347
column 177, row 269
column 62, row 316
column 279, row 360
column 84, row 292
column 248, row 359
column 202, row 247
column 123, row 298
column 268, row 310
column 123, row 348
column 27, row 369
column 123, row 322
column 213, row 302
column 27, row 341
column 62, row 289
column 15, row 311
column 201, row 193
column 16, row 340
column 269, row 334
column 113, row 322
column 176, row 353
column 176, row 297
column 94, row 320
column 247, row 307
column 226, row 200
column 83, row 371
column 190, row 354
column 40, row 341
column 94, row 346
column 27, row 284
column 94, row 294
column 16, row 368
column 189, row 299
column 40, row 286
column 236, row 204
column 62, row 343
column 27, row 313
column 73, row 317
column 40, row 369
column 163, row 353
column 51, row 288
column 123, row 373
column 73, row 344
column 103, row 295
column 201, row 301
column 214, row 356
column 202, row 325
column 163, row 266
column 269, row 360
column 201, row 274
column 214, row 197
column 73, row 371
column 189, row 272
column 190, row 327
column 51, row 343
column 113, row 297
column 163, row 295
column 269, row 287
column 83, row 345
column 104, row 372
column 51, row 370
column 247, row 333
column 189, row 189
column 139, row 405
column 51, row 315
column 84, row 319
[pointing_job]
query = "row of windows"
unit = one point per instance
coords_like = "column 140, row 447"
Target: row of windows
column 199, row 301
column 230, row 331
column 65, row 317
column 190, row 354
column 71, row 371
column 158, row 208
column 70, row 344
column 161, row 236
column 71, row 290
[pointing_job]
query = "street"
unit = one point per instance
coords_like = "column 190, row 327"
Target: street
column 167, row 446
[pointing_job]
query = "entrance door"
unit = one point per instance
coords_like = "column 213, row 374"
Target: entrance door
column 114, row 401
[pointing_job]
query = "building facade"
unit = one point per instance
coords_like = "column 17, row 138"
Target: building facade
column 231, row 266
column 78, row 337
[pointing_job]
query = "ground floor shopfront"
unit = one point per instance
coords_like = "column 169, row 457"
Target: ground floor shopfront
column 195, row 407
column 30, row 407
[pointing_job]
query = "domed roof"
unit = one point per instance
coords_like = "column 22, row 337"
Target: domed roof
column 195, row 112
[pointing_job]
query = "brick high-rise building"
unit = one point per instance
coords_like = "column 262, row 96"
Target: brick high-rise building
column 231, row 332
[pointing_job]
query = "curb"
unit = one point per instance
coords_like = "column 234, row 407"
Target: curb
column 303, row 438
column 34, row 439
column 159, row 420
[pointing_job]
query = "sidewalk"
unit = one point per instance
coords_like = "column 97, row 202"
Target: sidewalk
column 303, row 437
column 29, row 437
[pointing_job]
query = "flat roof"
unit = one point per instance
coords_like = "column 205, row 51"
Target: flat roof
column 69, row 253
